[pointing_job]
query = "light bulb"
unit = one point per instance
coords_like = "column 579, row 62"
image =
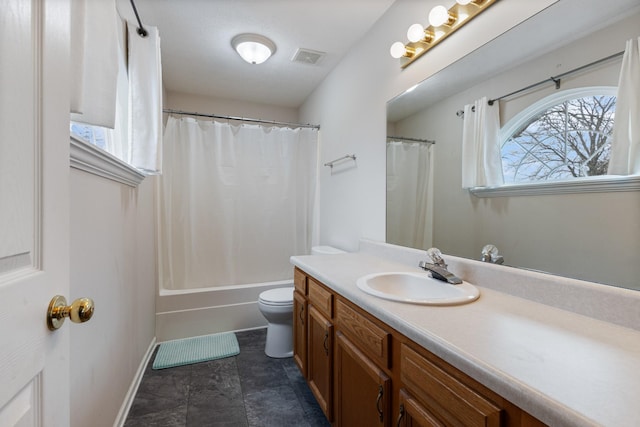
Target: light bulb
column 415, row 33
column 438, row 16
column 398, row 50
column 463, row 2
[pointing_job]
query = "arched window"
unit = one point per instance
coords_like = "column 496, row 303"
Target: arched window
column 564, row 136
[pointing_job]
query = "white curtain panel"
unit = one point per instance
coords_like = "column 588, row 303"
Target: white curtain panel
column 94, row 52
column 145, row 100
column 409, row 222
column 481, row 160
column 625, row 144
column 236, row 202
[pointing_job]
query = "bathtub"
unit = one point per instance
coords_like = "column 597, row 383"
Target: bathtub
column 193, row 312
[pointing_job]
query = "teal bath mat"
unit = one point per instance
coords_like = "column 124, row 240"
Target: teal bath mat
column 193, row 350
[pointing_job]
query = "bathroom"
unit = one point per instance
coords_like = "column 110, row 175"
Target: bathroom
column 112, row 242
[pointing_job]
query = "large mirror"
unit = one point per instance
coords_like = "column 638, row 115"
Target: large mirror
column 589, row 235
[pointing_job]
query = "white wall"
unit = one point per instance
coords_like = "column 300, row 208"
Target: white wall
column 113, row 262
column 591, row 236
column 209, row 105
column 350, row 106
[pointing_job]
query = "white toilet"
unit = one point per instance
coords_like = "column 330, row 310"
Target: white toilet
column 276, row 305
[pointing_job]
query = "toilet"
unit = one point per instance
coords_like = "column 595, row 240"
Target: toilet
column 276, row 305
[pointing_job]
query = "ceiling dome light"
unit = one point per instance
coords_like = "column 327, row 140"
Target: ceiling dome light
column 253, row 48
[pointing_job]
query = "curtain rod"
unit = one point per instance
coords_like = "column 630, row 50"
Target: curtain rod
column 402, row 138
column 242, row 119
column 141, row 31
column 556, row 79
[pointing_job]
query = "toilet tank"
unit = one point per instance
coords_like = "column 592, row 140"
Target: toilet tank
column 325, row 250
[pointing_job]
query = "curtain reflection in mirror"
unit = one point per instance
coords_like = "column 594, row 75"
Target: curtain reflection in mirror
column 409, row 211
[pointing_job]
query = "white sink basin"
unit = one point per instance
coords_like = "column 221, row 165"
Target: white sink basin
column 417, row 288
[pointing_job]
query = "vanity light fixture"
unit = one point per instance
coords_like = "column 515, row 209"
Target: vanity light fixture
column 442, row 23
column 439, row 15
column 253, row 48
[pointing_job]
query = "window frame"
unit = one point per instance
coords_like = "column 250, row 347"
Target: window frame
column 92, row 159
column 591, row 184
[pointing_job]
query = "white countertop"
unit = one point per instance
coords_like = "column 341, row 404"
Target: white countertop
column 566, row 369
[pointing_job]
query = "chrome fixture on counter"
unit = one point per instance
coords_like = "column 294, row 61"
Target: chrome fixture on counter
column 490, row 254
column 438, row 267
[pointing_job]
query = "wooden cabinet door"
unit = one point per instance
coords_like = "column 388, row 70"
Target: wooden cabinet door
column 319, row 361
column 300, row 332
column 363, row 391
column 413, row 414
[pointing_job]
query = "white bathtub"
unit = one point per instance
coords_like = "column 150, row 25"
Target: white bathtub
column 202, row 311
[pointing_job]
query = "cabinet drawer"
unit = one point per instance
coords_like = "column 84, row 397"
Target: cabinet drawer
column 320, row 298
column 453, row 402
column 370, row 338
column 300, row 281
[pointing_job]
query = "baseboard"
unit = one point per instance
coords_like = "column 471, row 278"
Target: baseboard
column 133, row 388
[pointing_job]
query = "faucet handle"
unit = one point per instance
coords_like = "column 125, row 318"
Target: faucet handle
column 436, row 257
column 490, row 254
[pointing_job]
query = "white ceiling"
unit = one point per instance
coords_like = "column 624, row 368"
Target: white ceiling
column 197, row 57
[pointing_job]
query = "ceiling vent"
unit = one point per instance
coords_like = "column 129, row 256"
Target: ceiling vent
column 308, row 56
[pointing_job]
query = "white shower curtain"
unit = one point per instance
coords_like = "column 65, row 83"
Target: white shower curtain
column 409, row 212
column 235, row 202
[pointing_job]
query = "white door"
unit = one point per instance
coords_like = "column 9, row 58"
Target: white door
column 34, row 210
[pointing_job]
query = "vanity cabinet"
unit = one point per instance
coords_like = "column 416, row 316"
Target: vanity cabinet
column 300, row 332
column 313, row 335
column 363, row 390
column 363, row 387
column 365, row 373
column 414, row 414
column 320, row 362
column 300, row 321
column 434, row 396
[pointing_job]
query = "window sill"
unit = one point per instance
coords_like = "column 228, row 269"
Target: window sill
column 89, row 158
column 604, row 184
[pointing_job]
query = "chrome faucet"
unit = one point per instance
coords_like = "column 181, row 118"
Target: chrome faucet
column 438, row 267
column 490, row 254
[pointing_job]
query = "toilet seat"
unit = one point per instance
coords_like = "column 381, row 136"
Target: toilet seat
column 277, row 297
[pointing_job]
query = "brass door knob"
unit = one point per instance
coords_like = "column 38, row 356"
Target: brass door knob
column 79, row 311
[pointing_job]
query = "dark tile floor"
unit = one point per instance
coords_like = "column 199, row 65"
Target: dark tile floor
column 249, row 389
